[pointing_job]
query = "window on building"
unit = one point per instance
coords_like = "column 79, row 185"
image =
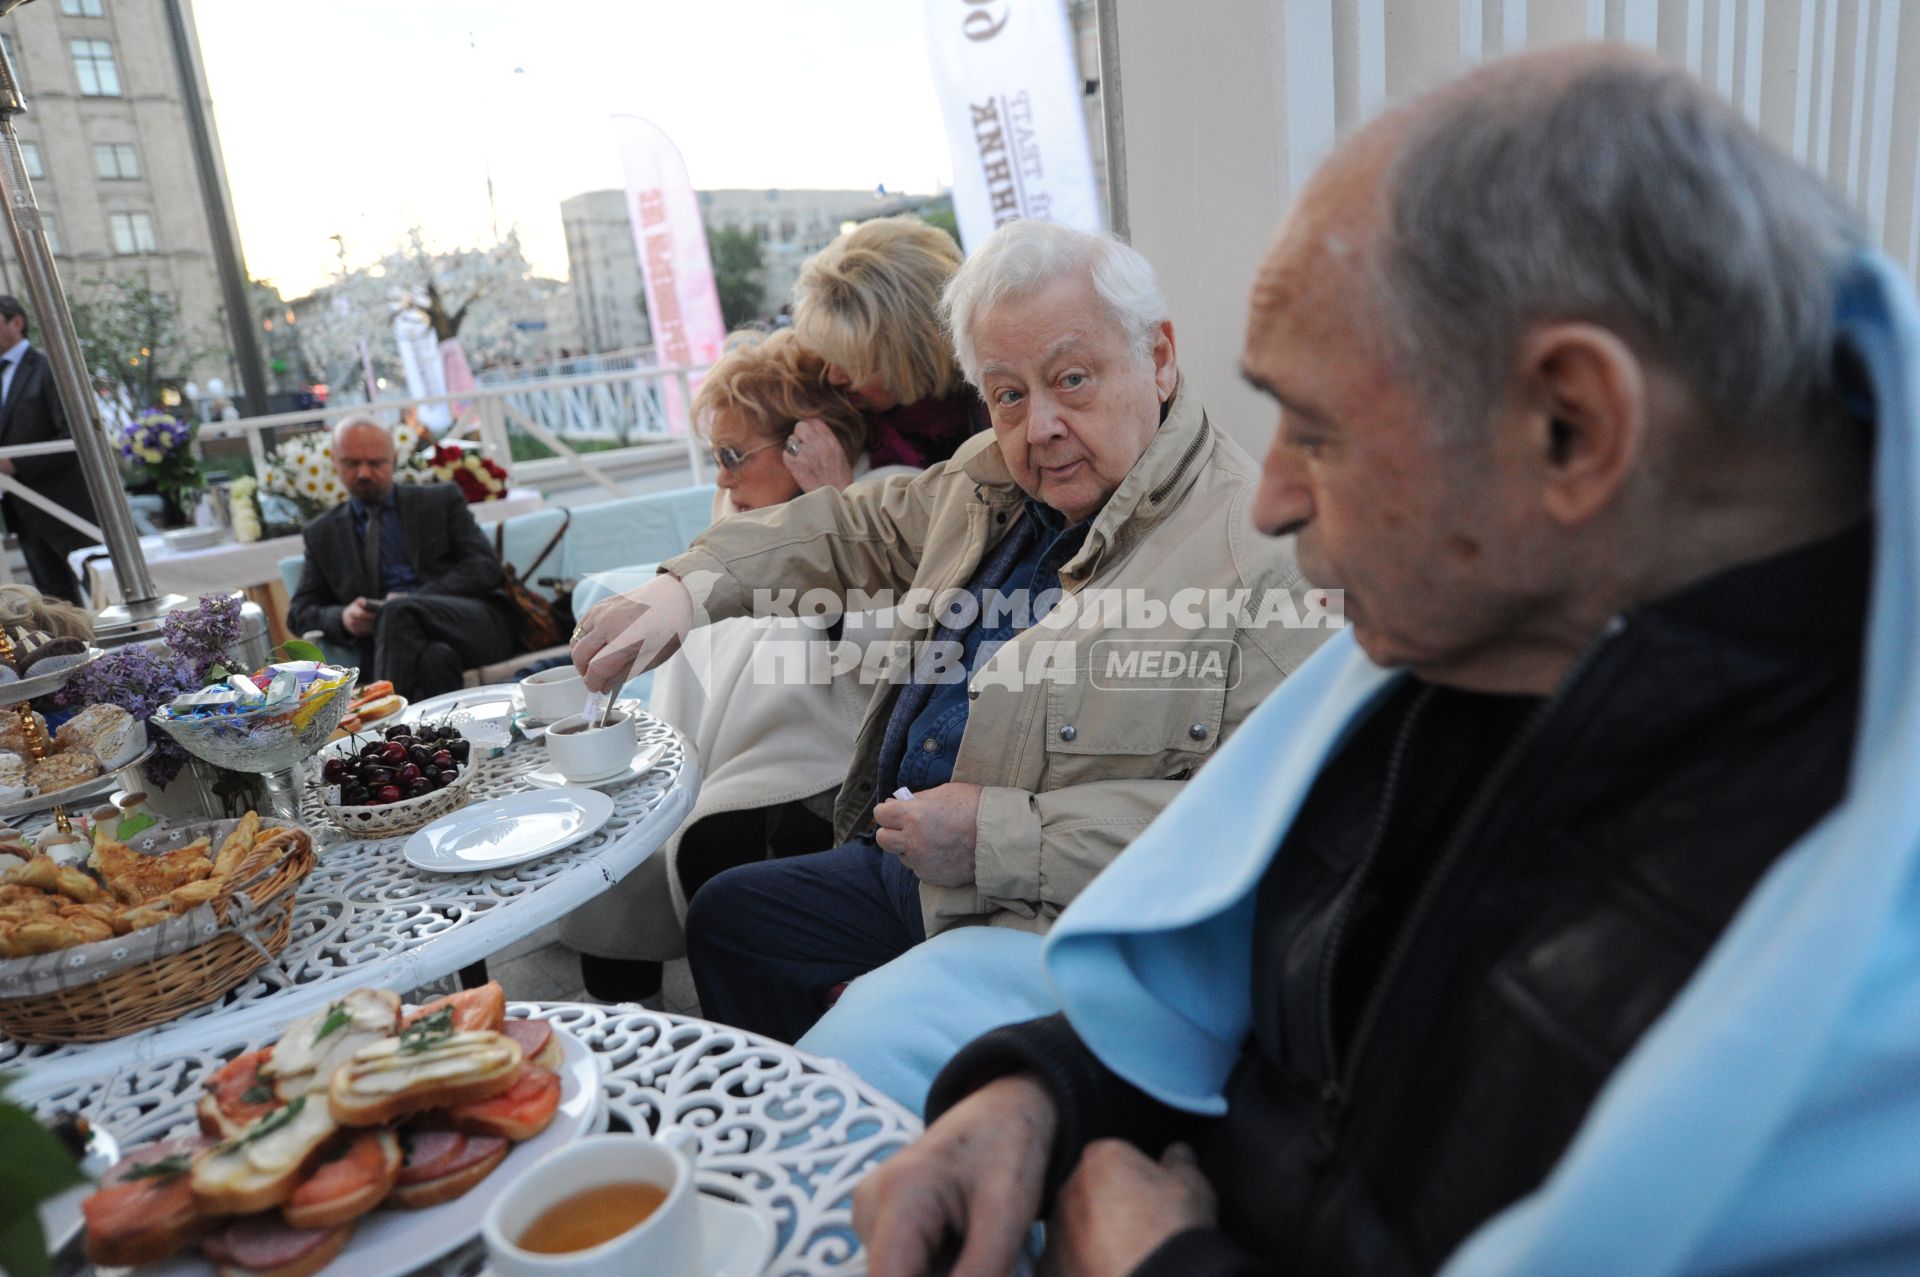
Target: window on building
column 116, row 160
column 132, row 232
column 30, row 156
column 81, row 8
column 52, row 229
column 93, row 67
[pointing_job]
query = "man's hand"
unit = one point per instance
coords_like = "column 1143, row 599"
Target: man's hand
column 976, row 1174
column 1119, row 1206
column 815, row 458
column 6, row 466
column 934, row 832
column 632, row 631
column 357, row 618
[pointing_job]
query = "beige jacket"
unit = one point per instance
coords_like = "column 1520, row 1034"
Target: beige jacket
column 1071, row 771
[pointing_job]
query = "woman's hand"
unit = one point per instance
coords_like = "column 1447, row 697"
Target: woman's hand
column 815, row 458
column 636, row 630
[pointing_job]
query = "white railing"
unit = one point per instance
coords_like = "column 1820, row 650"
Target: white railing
column 490, row 414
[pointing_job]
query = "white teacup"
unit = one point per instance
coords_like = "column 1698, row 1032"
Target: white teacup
column 665, row 1244
column 553, row 693
column 583, row 752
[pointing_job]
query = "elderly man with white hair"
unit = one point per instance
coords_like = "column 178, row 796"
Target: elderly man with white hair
column 403, row 573
column 1103, row 617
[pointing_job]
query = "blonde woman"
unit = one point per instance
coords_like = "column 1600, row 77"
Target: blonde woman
column 777, row 428
column 774, row 424
column 869, row 305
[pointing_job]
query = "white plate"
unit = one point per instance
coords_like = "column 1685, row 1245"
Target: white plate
column 549, row 777
column 481, row 702
column 508, row 831
column 387, row 1243
column 735, row 1240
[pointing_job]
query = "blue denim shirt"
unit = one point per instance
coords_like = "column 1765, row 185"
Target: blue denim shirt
column 396, row 573
column 933, row 737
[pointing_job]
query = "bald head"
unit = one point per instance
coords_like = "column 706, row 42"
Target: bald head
column 363, row 457
column 1548, row 342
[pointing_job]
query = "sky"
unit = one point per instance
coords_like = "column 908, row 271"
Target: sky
column 362, row 118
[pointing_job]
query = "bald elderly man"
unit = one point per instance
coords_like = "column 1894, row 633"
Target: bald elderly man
column 1564, row 412
column 402, row 572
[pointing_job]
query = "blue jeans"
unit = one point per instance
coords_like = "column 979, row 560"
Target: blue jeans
column 769, row 941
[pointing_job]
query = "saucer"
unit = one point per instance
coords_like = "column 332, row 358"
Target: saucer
column 737, row 1240
column 549, row 777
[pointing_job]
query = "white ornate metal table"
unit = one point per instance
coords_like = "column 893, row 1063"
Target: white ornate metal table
column 781, row 1131
column 368, row 918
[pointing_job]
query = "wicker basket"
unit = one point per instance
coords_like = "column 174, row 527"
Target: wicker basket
column 404, row 817
column 159, row 989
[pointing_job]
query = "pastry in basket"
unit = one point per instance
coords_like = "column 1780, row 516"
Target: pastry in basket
column 136, row 878
column 236, row 845
column 45, row 872
column 314, row 1047
column 62, row 771
column 47, row 934
column 144, row 1210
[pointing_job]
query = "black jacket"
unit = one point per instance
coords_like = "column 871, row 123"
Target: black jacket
column 1481, row 907
column 448, row 552
column 32, row 414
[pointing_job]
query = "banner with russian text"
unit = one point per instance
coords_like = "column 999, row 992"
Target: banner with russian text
column 683, row 305
column 1011, row 97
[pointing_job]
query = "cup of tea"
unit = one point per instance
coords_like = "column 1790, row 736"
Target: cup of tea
column 553, row 693
column 583, row 751
column 603, row 1206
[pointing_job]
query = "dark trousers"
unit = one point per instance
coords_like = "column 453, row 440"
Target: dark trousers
column 45, row 543
column 769, row 942
column 425, row 643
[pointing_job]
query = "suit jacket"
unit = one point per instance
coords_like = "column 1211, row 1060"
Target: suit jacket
column 448, row 552
column 32, row 414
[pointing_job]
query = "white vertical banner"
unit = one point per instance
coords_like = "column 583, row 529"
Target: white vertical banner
column 420, row 361
column 1016, row 123
column 683, row 303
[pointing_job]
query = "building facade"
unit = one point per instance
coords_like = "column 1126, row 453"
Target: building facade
column 107, row 148
column 609, row 293
column 791, row 226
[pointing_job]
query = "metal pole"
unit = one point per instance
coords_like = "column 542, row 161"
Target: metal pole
column 220, row 225
column 1113, row 126
column 62, row 345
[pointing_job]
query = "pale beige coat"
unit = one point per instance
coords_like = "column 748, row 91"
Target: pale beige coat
column 1071, row 772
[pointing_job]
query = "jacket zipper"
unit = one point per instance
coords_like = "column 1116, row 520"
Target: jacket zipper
column 1339, row 1089
column 1186, row 459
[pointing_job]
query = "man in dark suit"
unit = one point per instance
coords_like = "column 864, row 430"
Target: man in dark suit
column 403, row 572
column 30, row 412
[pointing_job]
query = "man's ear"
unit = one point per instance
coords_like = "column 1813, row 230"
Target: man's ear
column 1166, row 371
column 1586, row 416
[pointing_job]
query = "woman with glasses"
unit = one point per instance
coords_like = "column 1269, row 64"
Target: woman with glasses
column 869, row 304
column 772, row 754
column 774, row 425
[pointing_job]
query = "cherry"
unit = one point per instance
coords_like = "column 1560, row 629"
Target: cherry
column 389, row 794
column 394, row 752
column 333, row 771
column 442, row 759
column 408, row 774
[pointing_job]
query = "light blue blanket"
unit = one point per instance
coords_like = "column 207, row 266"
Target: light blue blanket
column 1770, row 1121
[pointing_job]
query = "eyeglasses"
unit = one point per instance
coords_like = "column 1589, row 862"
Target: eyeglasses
column 732, row 458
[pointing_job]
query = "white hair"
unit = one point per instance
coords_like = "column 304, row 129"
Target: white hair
column 1023, row 257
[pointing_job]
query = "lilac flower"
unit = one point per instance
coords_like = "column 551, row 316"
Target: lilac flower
column 142, row 678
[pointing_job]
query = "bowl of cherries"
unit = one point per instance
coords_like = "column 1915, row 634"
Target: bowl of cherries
column 392, row 781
